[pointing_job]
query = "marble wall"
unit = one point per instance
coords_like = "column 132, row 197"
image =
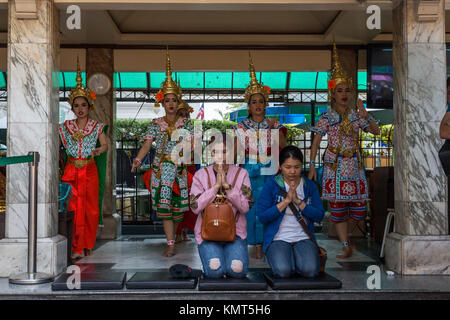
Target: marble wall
column 416, row 255
column 421, row 218
column 33, row 112
column 33, row 107
column 419, row 105
column 49, row 257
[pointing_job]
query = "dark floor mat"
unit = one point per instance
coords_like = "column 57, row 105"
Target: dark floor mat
column 105, row 280
column 323, row 281
column 253, row 281
column 159, row 280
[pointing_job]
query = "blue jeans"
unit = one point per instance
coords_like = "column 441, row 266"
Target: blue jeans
column 300, row 257
column 224, row 258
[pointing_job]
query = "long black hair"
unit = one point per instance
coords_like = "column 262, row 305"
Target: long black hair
column 290, row 152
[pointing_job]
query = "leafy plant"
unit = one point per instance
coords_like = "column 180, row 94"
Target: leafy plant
column 216, row 124
column 130, row 130
column 386, row 137
column 294, row 133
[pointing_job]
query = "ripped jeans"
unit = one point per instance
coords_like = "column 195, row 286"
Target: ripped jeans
column 224, row 258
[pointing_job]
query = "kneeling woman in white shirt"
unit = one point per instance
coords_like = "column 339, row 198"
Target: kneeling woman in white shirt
column 286, row 246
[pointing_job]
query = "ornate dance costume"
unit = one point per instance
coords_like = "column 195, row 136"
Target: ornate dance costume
column 168, row 182
column 84, row 173
column 256, row 151
column 343, row 180
column 165, row 172
column 344, row 183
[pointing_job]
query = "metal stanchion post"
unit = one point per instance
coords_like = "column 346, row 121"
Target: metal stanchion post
column 32, row 276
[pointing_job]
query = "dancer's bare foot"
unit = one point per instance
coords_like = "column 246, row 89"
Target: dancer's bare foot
column 258, row 252
column 352, row 245
column 178, row 238
column 77, row 256
column 186, row 237
column 347, row 253
column 170, row 251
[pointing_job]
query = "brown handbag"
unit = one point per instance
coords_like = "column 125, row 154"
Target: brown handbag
column 218, row 221
column 301, row 221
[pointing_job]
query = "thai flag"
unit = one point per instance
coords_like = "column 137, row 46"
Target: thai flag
column 201, row 112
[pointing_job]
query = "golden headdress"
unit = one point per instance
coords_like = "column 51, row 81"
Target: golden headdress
column 255, row 87
column 81, row 91
column 169, row 85
column 338, row 75
column 184, row 109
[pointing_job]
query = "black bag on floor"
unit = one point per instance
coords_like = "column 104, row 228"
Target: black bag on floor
column 181, row 271
column 444, row 156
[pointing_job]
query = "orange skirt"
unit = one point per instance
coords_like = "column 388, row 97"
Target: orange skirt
column 84, row 203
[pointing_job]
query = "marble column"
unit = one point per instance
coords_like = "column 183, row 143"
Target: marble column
column 349, row 62
column 33, row 106
column 421, row 244
column 101, row 60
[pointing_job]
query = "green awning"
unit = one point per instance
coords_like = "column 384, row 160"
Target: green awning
column 362, row 80
column 132, row 80
column 218, row 80
column 189, row 80
column 2, row 80
column 307, row 80
column 275, row 80
column 69, row 79
column 211, row 80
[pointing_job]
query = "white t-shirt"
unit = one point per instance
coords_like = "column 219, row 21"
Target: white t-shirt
column 290, row 230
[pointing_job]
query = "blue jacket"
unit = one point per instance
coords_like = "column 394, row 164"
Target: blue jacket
column 271, row 217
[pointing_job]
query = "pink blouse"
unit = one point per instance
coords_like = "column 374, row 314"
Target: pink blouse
column 240, row 197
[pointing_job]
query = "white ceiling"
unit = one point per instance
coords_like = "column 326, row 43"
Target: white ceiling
column 270, row 22
column 215, row 23
column 218, row 27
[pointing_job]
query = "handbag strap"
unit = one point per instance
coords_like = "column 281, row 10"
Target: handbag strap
column 232, row 186
column 235, row 177
column 209, row 180
column 301, row 221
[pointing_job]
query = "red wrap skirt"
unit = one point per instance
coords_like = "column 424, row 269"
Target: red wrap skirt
column 84, row 203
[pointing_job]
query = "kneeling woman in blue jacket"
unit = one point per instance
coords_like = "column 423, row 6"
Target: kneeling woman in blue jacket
column 286, row 246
